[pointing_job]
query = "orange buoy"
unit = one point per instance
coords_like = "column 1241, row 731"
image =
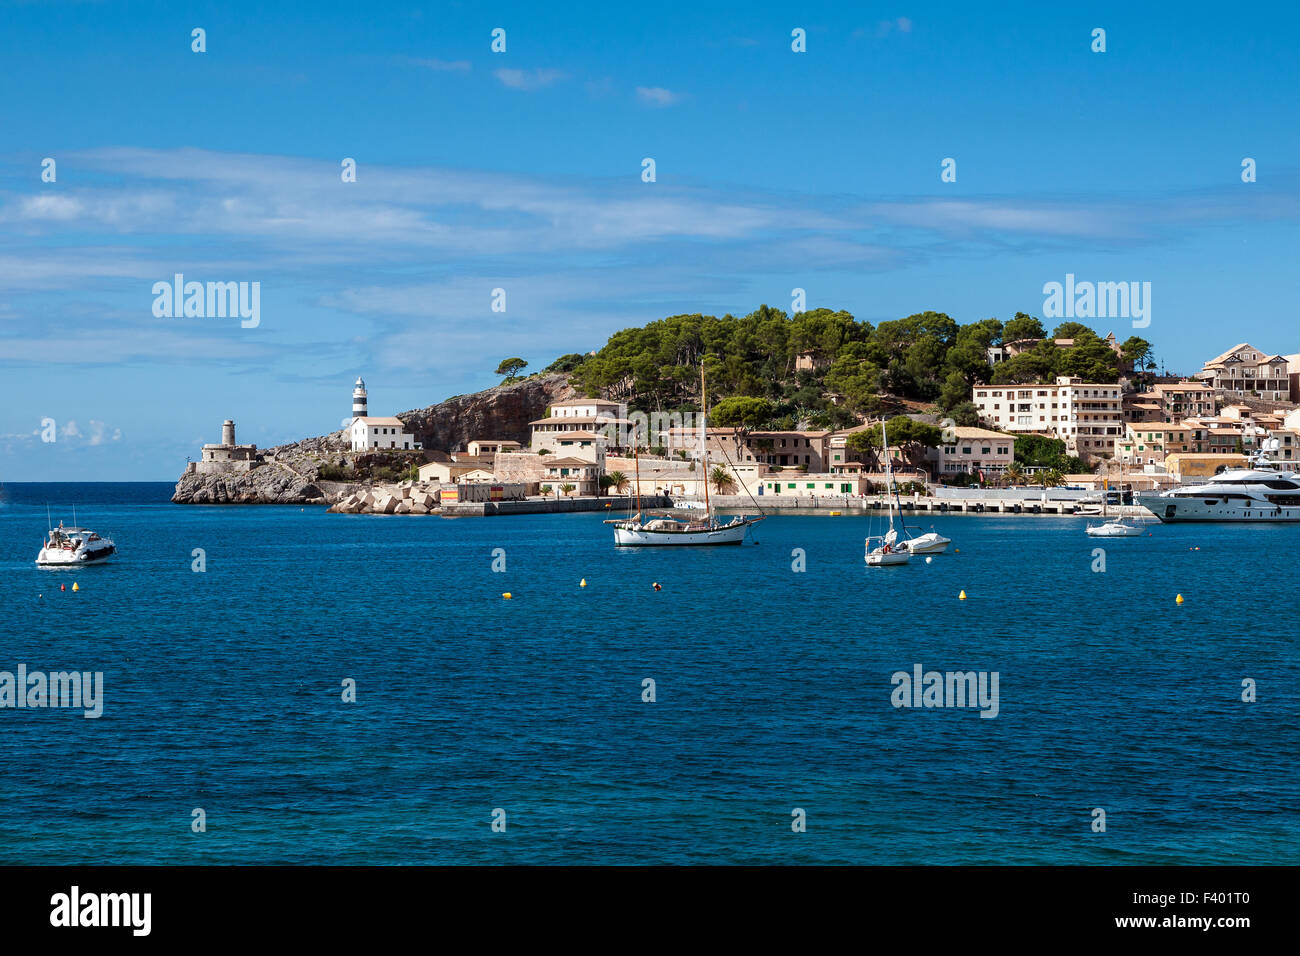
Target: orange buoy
column 507, row 595
column 962, row 596
column 1179, row 599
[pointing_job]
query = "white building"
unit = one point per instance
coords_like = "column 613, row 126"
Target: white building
column 371, row 433
column 1087, row 416
column 580, row 427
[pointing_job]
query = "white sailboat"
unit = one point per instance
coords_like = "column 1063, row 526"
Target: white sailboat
column 887, row 551
column 667, row 529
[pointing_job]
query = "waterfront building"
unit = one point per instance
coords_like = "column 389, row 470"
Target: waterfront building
column 809, row 485
column 1147, row 443
column 1245, row 372
column 444, row 468
column 556, row 433
column 787, row 449
column 972, row 451
column 582, row 474
column 1192, row 466
column 1087, row 416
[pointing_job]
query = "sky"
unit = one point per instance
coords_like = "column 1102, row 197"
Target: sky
column 523, row 170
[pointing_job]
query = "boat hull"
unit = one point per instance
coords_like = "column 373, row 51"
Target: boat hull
column 876, row 559
column 62, row 558
column 1111, row 531
column 642, row 537
column 927, row 544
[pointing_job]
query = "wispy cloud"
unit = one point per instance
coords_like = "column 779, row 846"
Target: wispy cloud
column 442, row 66
column 657, row 96
column 535, row 79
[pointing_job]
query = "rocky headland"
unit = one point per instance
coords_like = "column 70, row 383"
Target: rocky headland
column 324, row 471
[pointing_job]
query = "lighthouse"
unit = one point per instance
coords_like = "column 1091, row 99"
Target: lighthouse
column 359, row 400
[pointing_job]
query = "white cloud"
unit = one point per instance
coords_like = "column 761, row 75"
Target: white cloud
column 534, row 79
column 443, row 66
column 657, row 96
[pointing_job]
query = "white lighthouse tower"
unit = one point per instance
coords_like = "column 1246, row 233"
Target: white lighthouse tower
column 359, row 400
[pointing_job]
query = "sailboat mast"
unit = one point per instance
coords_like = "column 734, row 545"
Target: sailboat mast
column 704, row 441
column 890, row 490
column 636, row 457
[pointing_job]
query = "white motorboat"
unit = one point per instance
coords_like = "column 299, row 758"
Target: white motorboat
column 1114, row 528
column 1258, row 492
column 929, row 543
column 74, row 547
column 670, row 528
column 888, row 551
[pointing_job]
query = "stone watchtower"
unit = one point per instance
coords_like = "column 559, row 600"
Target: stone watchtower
column 359, row 400
column 228, row 433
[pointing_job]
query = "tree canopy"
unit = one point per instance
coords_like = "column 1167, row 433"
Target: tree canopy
column 824, row 368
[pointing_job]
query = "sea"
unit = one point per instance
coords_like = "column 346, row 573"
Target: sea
column 286, row 686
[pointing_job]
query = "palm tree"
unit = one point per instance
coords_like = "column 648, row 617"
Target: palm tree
column 617, row 481
column 567, row 489
column 545, row 490
column 1014, row 475
column 720, row 478
column 1051, row 477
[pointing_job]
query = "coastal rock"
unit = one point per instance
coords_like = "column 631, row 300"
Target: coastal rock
column 496, row 413
column 265, row 484
column 323, row 470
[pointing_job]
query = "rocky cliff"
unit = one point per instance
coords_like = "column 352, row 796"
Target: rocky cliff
column 268, row 484
column 496, row 413
column 291, row 473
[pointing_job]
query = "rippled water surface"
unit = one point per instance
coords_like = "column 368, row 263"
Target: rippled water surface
column 223, row 691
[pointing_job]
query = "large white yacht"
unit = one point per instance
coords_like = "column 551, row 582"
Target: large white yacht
column 1259, row 492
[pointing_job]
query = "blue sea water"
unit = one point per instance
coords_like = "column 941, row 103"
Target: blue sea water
column 223, row 692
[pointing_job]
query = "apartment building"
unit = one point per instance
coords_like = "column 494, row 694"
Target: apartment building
column 1245, row 372
column 1087, row 416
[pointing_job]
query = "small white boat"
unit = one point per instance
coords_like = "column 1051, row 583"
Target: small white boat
column 74, row 547
column 929, row 543
column 1114, row 528
column 887, row 552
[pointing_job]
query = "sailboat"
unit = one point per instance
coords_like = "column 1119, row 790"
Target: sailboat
column 887, row 550
column 670, row 528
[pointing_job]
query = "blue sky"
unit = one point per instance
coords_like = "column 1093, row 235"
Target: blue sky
column 522, row 170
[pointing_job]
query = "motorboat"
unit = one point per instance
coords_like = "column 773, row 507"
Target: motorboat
column 1114, row 528
column 929, row 543
column 74, row 547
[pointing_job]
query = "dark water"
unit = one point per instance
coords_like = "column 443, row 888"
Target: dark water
column 222, row 691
